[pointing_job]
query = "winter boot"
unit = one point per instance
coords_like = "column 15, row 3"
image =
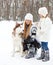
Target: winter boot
column 42, row 55
column 46, row 58
column 31, row 53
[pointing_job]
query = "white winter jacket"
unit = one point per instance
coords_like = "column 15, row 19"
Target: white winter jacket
column 44, row 28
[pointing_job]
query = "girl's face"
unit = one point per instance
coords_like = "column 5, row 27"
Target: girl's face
column 41, row 16
column 27, row 22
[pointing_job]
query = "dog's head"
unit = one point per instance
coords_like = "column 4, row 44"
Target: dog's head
column 33, row 30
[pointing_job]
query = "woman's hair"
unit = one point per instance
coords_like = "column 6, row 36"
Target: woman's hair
column 26, row 30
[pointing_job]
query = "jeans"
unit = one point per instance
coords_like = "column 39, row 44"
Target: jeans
column 44, row 45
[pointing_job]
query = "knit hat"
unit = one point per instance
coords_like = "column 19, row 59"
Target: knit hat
column 29, row 16
column 43, row 11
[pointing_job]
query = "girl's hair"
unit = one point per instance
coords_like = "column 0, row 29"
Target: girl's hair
column 26, row 30
column 45, row 16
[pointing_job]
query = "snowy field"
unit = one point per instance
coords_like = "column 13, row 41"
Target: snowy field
column 6, row 47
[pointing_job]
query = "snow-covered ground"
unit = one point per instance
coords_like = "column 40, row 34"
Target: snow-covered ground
column 6, row 47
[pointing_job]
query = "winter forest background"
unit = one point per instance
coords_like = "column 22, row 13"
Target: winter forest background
column 16, row 9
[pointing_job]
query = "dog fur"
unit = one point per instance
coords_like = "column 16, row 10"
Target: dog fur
column 17, row 41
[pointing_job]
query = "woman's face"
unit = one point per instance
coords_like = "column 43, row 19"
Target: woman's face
column 27, row 22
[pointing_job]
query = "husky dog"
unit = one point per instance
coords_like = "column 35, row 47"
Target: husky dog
column 17, row 39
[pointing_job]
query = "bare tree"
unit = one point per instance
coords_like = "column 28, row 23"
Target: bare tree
column 16, row 9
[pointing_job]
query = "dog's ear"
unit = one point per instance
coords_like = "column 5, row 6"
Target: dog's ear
column 17, row 25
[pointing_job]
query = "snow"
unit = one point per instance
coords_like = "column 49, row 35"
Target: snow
column 6, row 48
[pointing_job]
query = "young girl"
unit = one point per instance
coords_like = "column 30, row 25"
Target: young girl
column 29, row 36
column 44, row 30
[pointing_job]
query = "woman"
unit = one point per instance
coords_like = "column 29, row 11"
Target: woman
column 29, row 36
